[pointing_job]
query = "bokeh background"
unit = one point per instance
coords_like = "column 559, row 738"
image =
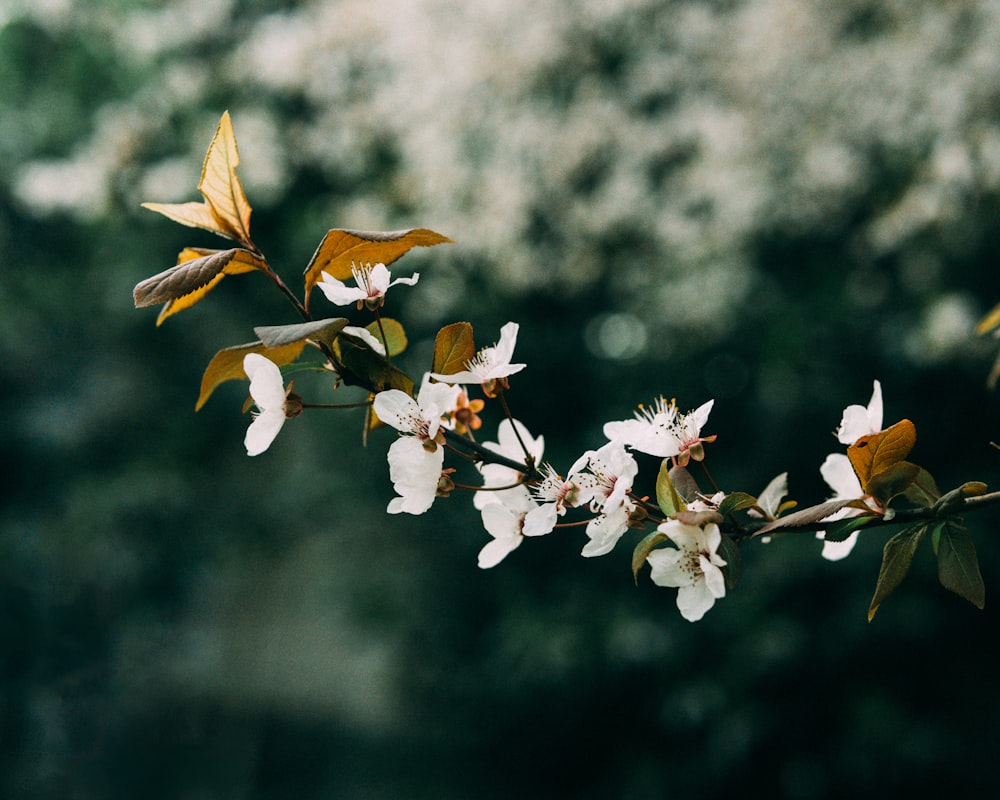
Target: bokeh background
column 767, row 202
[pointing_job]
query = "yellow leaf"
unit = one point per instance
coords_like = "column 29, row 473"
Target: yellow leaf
column 197, row 272
column 342, row 248
column 871, row 455
column 225, row 210
column 990, row 322
column 228, row 364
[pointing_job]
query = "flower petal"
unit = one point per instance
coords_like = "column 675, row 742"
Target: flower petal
column 263, row 430
column 338, row 293
column 266, row 386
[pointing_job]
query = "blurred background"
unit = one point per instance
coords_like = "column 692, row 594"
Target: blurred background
column 770, row 203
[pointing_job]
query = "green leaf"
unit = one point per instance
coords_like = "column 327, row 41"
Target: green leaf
column 958, row 565
column 643, row 549
column 667, row 497
column 364, row 367
column 395, row 335
column 320, row 330
column 736, row 501
column 730, row 553
column 923, row 491
column 897, row 555
column 810, row 515
column 841, row 529
column 685, row 484
column 892, row 481
column 453, row 347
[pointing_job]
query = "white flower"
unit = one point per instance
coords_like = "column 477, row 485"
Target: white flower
column 859, row 421
column 693, row 567
column 553, row 496
column 508, row 521
column 770, row 499
column 605, row 485
column 268, row 392
column 663, row 431
column 491, row 365
column 840, row 476
column 509, row 440
column 372, row 284
column 415, row 460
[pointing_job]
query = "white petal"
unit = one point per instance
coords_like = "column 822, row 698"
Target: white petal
column 503, row 352
column 397, row 408
column 715, row 581
column 665, row 567
column 378, row 278
column 262, row 430
column 414, row 472
column 604, row 531
column 541, row 520
column 700, row 415
column 407, row 281
column 694, row 600
column 840, row 476
column 834, row 551
column 338, row 293
column 266, row 386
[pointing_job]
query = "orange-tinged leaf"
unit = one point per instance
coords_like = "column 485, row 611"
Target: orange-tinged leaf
column 225, row 210
column 873, row 454
column 341, row 248
column 197, row 272
column 453, row 347
column 227, row 364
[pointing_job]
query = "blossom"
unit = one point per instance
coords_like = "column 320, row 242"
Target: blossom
column 856, row 421
column 693, row 567
column 859, row 421
column 664, row 431
column 415, row 459
column 510, row 438
column 268, row 392
column 491, row 366
column 605, row 485
column 372, row 284
column 508, row 520
column 553, row 496
column 840, row 476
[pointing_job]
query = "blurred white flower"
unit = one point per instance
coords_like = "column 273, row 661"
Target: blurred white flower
column 693, row 567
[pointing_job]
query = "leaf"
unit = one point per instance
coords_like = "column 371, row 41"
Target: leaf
column 646, row 546
column 197, row 272
column 990, row 322
column 923, row 491
column 877, row 452
column 958, row 565
column 730, row 553
column 667, row 497
column 685, row 484
column 842, row 528
column 453, row 347
column 737, row 501
column 364, row 367
column 897, row 555
column 225, row 210
column 341, row 248
column 810, row 515
column 320, row 330
column 227, row 364
column 894, row 480
column 394, row 333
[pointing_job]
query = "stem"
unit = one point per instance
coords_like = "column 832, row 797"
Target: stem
column 361, row 404
column 513, row 424
column 276, row 279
